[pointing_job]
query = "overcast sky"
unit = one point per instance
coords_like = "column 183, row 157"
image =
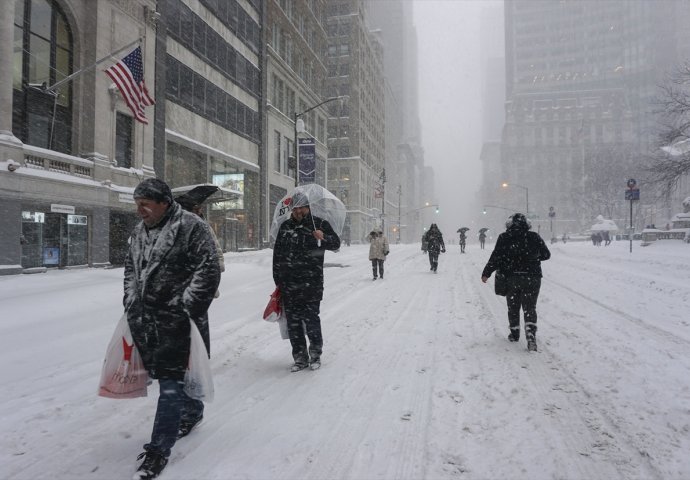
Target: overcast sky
column 450, row 103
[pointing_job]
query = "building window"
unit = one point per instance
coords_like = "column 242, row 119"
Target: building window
column 124, row 140
column 43, row 56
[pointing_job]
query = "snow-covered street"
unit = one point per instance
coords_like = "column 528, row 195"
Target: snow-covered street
column 418, row 380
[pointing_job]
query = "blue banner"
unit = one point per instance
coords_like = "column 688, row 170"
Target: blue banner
column 306, row 160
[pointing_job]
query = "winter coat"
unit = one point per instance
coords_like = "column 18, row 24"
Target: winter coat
column 434, row 240
column 517, row 252
column 378, row 245
column 174, row 286
column 298, row 260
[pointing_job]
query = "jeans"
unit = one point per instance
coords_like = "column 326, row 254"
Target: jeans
column 523, row 292
column 303, row 318
column 433, row 260
column 173, row 406
column 374, row 264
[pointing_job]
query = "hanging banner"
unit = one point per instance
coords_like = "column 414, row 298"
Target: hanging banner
column 306, row 160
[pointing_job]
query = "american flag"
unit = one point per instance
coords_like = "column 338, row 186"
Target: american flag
column 128, row 75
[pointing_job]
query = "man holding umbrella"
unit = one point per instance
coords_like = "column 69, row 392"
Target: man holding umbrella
column 298, row 253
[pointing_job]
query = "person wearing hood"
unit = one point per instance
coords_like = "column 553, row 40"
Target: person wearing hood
column 171, row 274
column 298, row 254
column 518, row 254
column 378, row 250
column 433, row 239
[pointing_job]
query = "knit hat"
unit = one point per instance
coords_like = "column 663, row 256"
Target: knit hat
column 154, row 189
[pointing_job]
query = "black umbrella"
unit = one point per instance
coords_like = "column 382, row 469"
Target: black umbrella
column 462, row 230
column 482, row 230
column 197, row 195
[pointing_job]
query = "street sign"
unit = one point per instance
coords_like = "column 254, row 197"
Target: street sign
column 632, row 183
column 552, row 212
column 632, row 194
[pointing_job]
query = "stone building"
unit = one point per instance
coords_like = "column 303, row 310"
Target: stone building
column 70, row 156
column 295, row 83
column 356, row 126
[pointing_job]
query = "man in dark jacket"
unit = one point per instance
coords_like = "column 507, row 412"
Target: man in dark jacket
column 171, row 276
column 298, row 255
column 518, row 255
column 434, row 245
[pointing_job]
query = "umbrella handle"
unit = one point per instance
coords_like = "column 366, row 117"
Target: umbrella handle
column 318, row 243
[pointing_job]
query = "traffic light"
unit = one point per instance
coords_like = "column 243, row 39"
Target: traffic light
column 484, row 211
column 437, row 210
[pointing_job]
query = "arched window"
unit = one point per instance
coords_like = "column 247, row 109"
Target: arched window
column 43, row 49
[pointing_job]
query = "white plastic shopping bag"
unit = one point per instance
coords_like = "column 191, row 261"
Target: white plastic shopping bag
column 198, row 379
column 123, row 374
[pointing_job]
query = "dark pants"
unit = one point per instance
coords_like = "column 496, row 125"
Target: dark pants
column 433, row 260
column 462, row 246
column 523, row 292
column 173, row 406
column 303, row 318
column 374, row 264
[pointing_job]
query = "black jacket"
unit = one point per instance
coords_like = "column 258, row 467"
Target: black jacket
column 175, row 286
column 298, row 260
column 517, row 252
column 434, row 240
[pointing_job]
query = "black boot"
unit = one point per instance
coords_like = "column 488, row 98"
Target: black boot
column 153, row 465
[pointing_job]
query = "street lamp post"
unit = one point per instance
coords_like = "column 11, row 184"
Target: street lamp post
column 296, row 118
column 506, row 185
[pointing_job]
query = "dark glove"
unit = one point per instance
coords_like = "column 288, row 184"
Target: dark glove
column 443, row 250
column 386, row 253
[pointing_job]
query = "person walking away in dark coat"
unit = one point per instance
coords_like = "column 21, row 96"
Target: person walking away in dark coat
column 463, row 241
column 518, row 255
column 482, row 239
column 171, row 275
column 298, row 255
column 434, row 245
column 378, row 250
column 190, row 205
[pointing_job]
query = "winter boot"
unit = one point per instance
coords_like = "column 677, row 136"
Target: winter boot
column 187, row 426
column 315, row 364
column 153, row 465
column 514, row 337
column 531, row 342
column 298, row 366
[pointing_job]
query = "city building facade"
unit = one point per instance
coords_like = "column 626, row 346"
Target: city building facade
column 356, row 125
column 296, row 74
column 208, row 123
column 581, row 80
column 70, row 155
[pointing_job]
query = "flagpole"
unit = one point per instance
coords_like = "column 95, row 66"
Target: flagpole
column 80, row 71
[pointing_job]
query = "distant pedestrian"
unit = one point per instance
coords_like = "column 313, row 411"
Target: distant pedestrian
column 433, row 240
column 298, row 256
column 462, row 240
column 378, row 251
column 518, row 255
column 482, row 239
column 607, row 238
column 171, row 275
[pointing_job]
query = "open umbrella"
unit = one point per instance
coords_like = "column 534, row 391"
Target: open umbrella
column 602, row 224
column 462, row 230
column 483, row 230
column 322, row 204
column 197, row 195
column 205, row 192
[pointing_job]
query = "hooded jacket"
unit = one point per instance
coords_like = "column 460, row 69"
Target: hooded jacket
column 175, row 285
column 434, row 240
column 378, row 245
column 298, row 259
column 518, row 251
